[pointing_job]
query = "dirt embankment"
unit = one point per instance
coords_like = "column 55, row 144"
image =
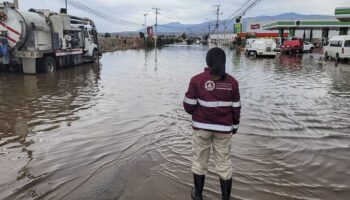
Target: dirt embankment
column 114, row 44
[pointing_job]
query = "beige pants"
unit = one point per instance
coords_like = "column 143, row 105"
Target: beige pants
column 202, row 141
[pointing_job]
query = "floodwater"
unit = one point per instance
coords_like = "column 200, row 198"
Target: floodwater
column 118, row 131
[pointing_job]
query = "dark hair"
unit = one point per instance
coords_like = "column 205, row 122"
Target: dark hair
column 216, row 59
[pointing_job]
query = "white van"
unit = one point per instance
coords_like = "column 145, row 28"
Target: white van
column 338, row 48
column 262, row 47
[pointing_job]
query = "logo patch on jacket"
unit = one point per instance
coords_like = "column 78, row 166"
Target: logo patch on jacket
column 209, row 85
column 223, row 86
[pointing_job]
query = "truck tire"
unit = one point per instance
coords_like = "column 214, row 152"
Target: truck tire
column 49, row 64
column 4, row 68
column 246, row 53
column 95, row 57
column 311, row 49
column 255, row 54
column 337, row 59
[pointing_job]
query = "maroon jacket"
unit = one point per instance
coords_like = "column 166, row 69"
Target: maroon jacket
column 214, row 105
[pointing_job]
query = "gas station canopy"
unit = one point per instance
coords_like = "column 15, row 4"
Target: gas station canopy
column 305, row 24
column 343, row 14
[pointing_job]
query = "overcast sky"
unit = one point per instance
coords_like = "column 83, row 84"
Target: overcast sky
column 126, row 15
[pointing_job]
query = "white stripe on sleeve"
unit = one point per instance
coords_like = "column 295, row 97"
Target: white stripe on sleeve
column 190, row 101
column 236, row 104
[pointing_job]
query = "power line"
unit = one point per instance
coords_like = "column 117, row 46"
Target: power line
column 83, row 7
column 246, row 6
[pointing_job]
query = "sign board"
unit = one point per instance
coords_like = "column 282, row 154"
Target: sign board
column 237, row 28
column 255, row 26
column 150, row 31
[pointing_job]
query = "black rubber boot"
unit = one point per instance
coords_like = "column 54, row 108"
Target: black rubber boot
column 226, row 186
column 197, row 191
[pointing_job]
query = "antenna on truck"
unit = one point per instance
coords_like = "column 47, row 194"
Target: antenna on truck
column 66, row 7
column 16, row 3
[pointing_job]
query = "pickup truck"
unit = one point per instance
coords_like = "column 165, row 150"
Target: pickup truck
column 292, row 46
column 308, row 47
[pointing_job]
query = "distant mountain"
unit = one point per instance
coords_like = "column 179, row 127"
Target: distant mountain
column 286, row 16
column 177, row 27
column 293, row 16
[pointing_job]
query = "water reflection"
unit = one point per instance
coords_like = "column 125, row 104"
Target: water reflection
column 47, row 98
column 99, row 133
column 38, row 104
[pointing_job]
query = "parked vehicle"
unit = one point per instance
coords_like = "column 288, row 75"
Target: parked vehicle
column 292, row 46
column 262, row 47
column 41, row 40
column 308, row 47
column 248, row 42
column 338, row 48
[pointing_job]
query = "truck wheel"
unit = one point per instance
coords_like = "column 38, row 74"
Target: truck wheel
column 337, row 59
column 4, row 68
column 311, row 50
column 246, row 53
column 95, row 56
column 254, row 54
column 49, row 64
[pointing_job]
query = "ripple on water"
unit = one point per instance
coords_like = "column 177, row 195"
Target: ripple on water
column 87, row 130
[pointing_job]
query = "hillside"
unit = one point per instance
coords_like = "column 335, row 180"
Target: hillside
column 177, row 27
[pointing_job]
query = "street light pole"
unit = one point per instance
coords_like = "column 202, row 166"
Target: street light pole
column 145, row 31
column 66, row 7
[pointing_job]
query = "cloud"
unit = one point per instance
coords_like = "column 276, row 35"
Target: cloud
column 184, row 11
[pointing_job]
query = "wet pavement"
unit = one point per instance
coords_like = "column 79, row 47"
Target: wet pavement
column 118, row 131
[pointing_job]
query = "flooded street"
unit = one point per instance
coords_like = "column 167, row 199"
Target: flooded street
column 119, row 131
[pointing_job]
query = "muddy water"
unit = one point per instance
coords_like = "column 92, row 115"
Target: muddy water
column 118, row 131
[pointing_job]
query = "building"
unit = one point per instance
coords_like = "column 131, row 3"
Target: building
column 222, row 38
column 256, row 25
column 342, row 14
column 315, row 31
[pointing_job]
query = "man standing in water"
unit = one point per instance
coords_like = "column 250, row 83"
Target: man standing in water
column 213, row 100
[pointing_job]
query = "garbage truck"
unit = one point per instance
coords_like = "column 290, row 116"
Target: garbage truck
column 40, row 40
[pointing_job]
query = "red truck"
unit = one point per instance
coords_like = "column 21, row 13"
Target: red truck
column 292, row 46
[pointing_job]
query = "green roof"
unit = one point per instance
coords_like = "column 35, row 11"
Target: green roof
column 305, row 24
column 342, row 11
column 343, row 14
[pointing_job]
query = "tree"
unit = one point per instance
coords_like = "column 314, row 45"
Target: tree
column 107, row 35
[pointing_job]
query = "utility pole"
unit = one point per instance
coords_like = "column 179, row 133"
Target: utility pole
column 66, row 7
column 145, row 31
column 217, row 20
column 156, row 25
